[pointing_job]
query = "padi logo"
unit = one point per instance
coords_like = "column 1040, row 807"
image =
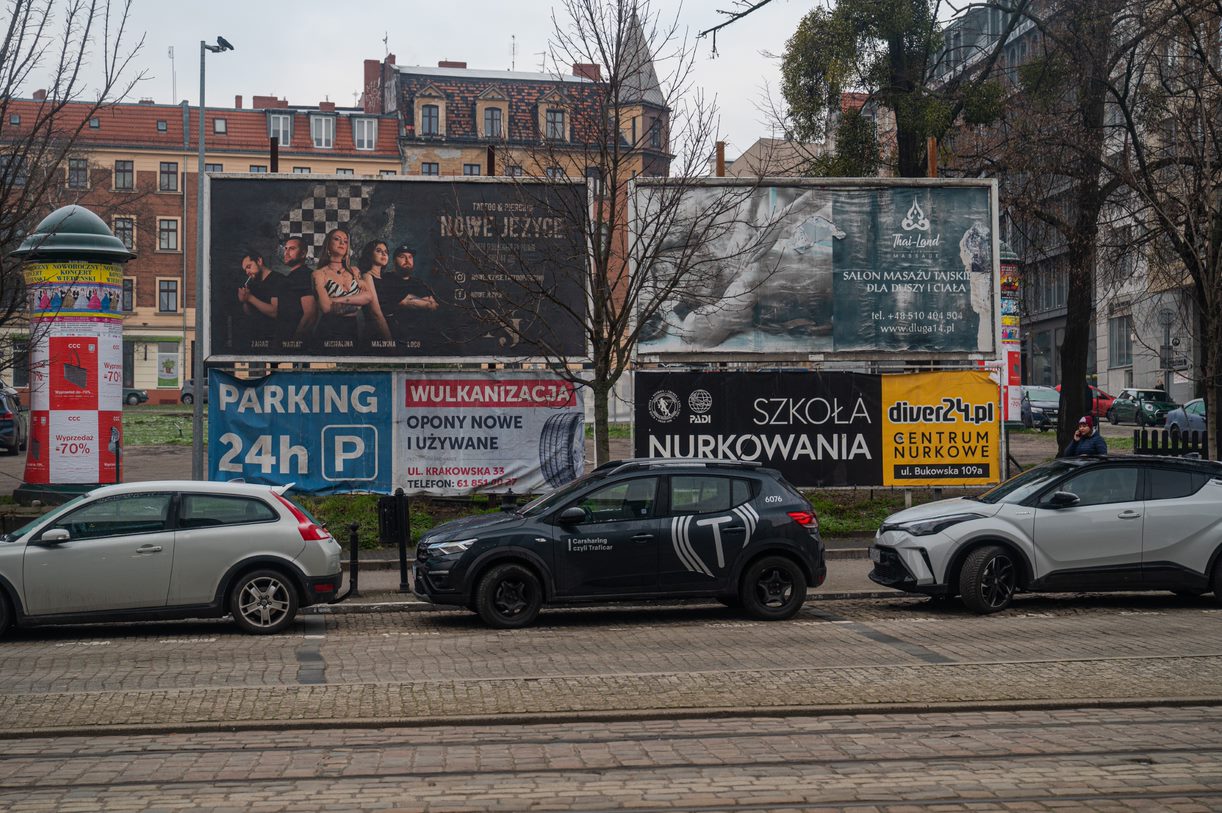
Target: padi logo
column 700, row 402
column 664, row 406
column 915, row 221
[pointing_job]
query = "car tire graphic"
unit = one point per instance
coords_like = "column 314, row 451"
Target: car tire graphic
column 562, row 451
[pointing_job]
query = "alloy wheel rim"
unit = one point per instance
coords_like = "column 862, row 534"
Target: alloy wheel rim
column 264, row 602
column 511, row 597
column 997, row 581
column 774, row 588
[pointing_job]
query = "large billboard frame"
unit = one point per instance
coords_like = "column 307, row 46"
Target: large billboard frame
column 990, row 357
column 389, row 362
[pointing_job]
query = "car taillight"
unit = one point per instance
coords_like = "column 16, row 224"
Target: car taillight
column 806, row 519
column 6, row 416
column 309, row 531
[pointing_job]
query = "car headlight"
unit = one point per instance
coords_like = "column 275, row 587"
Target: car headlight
column 450, row 548
column 926, row 527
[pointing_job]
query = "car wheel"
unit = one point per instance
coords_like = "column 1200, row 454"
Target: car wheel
column 773, row 589
column 263, row 602
column 1173, row 430
column 1111, row 417
column 1217, row 580
column 132, row 400
column 6, row 616
column 509, row 597
column 988, row 579
column 188, row 399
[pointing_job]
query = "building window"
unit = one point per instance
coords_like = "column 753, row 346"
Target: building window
column 78, row 173
column 167, row 295
column 555, row 125
column 343, row 170
column 162, row 126
column 125, row 175
column 214, row 167
column 430, row 168
column 220, row 126
column 280, row 127
column 258, row 167
column 365, row 133
column 129, row 294
column 514, row 171
column 322, row 130
column 555, row 173
column 302, row 170
column 14, row 119
column 387, row 173
column 492, row 122
column 94, row 123
column 430, row 120
column 1120, row 341
column 470, row 169
column 167, row 234
column 125, row 230
column 655, row 134
column 16, row 165
column 167, row 176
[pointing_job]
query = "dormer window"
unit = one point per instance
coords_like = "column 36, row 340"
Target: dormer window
column 430, row 120
column 494, row 123
column 322, row 131
column 430, row 113
column 555, row 129
column 280, row 127
column 364, row 133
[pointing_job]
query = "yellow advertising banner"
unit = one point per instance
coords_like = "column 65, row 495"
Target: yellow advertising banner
column 941, row 429
column 74, row 273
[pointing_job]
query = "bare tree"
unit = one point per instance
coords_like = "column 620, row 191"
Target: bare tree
column 74, row 57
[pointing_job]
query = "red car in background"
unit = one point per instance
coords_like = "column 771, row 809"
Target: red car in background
column 1101, row 402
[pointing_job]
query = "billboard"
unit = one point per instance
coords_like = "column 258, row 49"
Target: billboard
column 428, row 433
column 869, row 268
column 825, row 429
column 345, row 268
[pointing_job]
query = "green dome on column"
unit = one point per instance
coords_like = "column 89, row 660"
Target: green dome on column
column 73, row 233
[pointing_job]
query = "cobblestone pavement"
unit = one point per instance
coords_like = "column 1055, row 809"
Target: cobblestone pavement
column 370, row 668
column 1131, row 759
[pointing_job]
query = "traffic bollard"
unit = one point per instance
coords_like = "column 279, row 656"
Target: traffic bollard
column 354, row 564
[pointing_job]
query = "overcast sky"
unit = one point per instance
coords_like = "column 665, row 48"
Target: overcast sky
column 308, row 50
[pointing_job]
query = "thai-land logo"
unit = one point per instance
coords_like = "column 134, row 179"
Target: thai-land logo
column 664, row 406
column 700, row 402
column 915, row 221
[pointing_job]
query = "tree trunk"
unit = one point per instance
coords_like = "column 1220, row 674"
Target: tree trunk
column 602, row 443
column 1079, row 308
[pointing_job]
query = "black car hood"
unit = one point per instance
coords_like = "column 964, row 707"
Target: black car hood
column 482, row 523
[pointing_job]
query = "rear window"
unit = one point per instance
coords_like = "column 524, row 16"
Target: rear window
column 1168, row 484
column 207, row 510
column 703, row 493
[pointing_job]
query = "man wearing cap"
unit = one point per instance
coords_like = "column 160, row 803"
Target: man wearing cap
column 1086, row 440
column 398, row 293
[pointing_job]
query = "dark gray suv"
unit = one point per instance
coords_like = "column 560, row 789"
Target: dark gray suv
column 633, row 529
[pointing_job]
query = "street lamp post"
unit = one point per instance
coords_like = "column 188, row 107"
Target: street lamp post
column 197, row 357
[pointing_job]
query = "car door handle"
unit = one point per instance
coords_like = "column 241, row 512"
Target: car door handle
column 642, row 537
column 1129, row 514
column 149, row 549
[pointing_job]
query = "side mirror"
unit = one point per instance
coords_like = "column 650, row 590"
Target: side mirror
column 572, row 516
column 54, row 536
column 1063, row 499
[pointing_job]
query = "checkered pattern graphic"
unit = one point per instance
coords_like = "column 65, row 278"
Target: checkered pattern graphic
column 327, row 206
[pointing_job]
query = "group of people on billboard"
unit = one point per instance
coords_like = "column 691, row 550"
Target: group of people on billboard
column 334, row 305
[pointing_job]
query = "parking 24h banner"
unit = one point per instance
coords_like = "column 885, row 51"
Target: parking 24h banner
column 828, row 428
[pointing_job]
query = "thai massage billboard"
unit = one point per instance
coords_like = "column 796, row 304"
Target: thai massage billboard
column 870, row 268
column 347, row 268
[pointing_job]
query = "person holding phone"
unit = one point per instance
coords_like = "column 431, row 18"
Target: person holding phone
column 1086, row 440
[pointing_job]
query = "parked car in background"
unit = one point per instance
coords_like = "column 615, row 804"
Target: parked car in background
column 133, row 396
column 1100, row 401
column 1142, row 407
column 169, row 549
column 1040, row 407
column 187, row 395
column 1188, row 418
column 14, row 429
column 1073, row 524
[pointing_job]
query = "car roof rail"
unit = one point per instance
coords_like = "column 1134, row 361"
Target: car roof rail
column 644, row 463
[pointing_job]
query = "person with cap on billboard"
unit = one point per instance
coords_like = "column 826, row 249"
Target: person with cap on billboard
column 403, row 293
column 1086, row 440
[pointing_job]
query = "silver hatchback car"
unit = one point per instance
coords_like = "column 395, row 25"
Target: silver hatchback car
column 1074, row 524
column 169, row 549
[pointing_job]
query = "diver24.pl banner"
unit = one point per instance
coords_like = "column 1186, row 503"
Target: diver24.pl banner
column 823, row 429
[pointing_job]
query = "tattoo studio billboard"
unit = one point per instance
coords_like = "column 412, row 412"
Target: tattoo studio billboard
column 344, row 268
column 869, row 268
column 831, row 428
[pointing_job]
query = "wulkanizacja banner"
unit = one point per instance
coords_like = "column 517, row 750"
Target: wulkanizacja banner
column 817, row 268
column 427, row 433
column 829, row 428
column 361, row 269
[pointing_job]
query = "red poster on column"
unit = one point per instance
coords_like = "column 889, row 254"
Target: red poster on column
column 38, row 454
column 74, row 372
column 110, row 446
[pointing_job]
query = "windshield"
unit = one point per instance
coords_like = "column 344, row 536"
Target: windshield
column 13, row 536
column 541, row 505
column 1019, row 488
column 1043, row 394
column 1151, row 395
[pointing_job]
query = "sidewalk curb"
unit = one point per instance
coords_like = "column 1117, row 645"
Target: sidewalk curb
column 633, row 715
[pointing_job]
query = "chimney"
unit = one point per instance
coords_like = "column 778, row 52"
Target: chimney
column 264, row 102
column 40, row 95
column 587, row 70
column 146, row 100
column 445, row 63
column 390, row 59
column 326, row 107
column 371, row 99
column 237, row 102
